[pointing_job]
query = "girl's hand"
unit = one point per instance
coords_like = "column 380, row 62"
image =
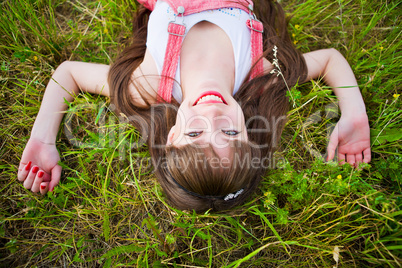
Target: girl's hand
column 352, row 137
column 38, row 169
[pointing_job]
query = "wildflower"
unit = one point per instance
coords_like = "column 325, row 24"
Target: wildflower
column 297, row 26
column 105, row 31
column 35, row 58
column 339, row 177
column 396, row 95
column 268, row 203
column 275, row 63
column 278, row 71
column 295, row 42
column 381, row 48
column 293, row 35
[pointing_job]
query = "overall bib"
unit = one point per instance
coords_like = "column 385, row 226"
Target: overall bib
column 177, row 31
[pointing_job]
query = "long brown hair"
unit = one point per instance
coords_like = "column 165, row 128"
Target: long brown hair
column 264, row 104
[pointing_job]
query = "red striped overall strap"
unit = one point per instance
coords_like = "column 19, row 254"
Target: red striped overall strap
column 173, row 48
column 256, row 47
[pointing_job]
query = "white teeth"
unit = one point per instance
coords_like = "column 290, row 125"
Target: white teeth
column 209, row 98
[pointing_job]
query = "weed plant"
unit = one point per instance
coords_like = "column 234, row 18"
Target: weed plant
column 109, row 210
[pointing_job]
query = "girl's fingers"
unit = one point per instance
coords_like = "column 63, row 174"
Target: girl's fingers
column 332, row 144
column 351, row 159
column 367, row 155
column 31, row 177
column 359, row 159
column 46, row 177
column 56, row 173
column 23, row 171
column 44, row 187
column 341, row 158
column 37, row 182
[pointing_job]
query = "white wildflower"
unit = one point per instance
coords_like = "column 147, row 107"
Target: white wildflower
column 277, row 70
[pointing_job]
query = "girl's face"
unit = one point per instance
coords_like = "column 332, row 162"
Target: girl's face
column 209, row 119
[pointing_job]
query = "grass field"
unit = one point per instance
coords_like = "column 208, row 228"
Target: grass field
column 109, row 211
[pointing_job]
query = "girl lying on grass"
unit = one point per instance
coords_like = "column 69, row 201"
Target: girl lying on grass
column 205, row 84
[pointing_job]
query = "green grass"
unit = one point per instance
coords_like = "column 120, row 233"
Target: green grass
column 109, row 210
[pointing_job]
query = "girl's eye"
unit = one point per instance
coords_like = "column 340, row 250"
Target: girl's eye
column 194, row 134
column 231, row 132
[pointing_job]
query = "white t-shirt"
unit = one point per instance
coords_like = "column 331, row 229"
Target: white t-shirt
column 231, row 20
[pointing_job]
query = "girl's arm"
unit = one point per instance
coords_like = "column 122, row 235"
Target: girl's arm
column 38, row 168
column 351, row 135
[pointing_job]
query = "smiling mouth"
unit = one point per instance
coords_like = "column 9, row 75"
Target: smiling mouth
column 210, row 97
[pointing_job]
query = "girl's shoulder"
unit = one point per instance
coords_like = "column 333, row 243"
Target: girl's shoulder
column 145, row 82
